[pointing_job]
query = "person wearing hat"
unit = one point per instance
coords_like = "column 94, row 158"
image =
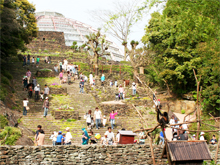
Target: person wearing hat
column 194, row 137
column 63, row 139
column 202, row 136
column 134, row 89
column 46, row 106
column 36, row 92
column 68, row 137
column 59, row 138
column 104, row 140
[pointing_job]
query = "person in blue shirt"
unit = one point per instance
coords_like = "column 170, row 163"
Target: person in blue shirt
column 103, row 78
column 162, row 137
column 59, row 138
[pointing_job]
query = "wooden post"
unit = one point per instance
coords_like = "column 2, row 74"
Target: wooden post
column 216, row 154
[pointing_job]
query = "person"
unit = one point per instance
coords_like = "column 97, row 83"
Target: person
column 117, row 139
column 46, row 106
column 111, row 136
column 40, row 138
column 46, row 59
column 180, row 133
column 53, row 137
column 63, row 139
column 39, row 127
column 175, row 137
column 37, row 61
column 25, row 104
column 202, row 136
column 88, row 119
column 104, row 121
column 28, row 74
column 28, row 59
column 121, row 91
column 68, row 137
column 116, row 83
column 103, row 78
column 56, row 68
column 161, row 137
column 133, row 88
column 49, row 60
column 59, row 138
column 91, row 79
column 46, row 91
column 33, row 61
column 141, row 137
column 85, row 78
column 34, row 81
column 124, row 82
column 104, row 140
column 24, row 60
column 60, row 63
column 41, row 96
column 81, row 85
column 65, row 64
column 194, row 137
column 25, row 82
column 68, row 77
column 30, row 89
column 36, row 92
column 112, row 118
column 213, row 140
column 111, row 83
column 61, row 76
column 92, row 123
column 176, row 126
column 98, row 116
column 85, row 137
column 91, row 139
column 172, row 121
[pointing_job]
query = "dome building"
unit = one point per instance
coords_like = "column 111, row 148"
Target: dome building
column 73, row 30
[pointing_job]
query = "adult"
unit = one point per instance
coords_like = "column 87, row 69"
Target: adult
column 91, row 79
column 172, row 121
column 161, row 137
column 34, row 81
column 59, row 138
column 202, row 136
column 61, row 77
column 180, row 133
column 28, row 59
column 28, row 74
column 24, row 60
column 37, row 61
column 88, row 119
column 25, row 105
column 25, row 82
column 85, row 78
column 85, row 137
column 112, row 118
column 68, row 137
column 37, row 92
column 103, row 78
column 30, row 90
column 46, row 106
column 176, row 126
column 141, row 137
column 117, row 139
column 56, row 68
column 40, row 138
column 39, row 127
column 61, row 64
column 46, row 59
column 46, row 91
column 65, row 64
column 68, row 77
column 81, row 85
column 111, row 136
column 121, row 91
column 97, row 117
column 134, row 88
column 213, row 140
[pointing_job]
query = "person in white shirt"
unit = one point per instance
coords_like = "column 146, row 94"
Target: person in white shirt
column 202, row 136
column 25, row 104
column 104, row 139
column 65, row 64
column 88, row 119
column 53, row 137
column 91, row 79
column 56, row 68
column 46, row 91
column 97, row 116
column 85, row 78
column 111, row 136
column 172, row 121
column 68, row 137
column 37, row 92
column 117, row 139
column 133, row 88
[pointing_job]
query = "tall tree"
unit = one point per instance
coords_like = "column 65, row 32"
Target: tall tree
column 98, row 45
column 18, row 26
column 119, row 21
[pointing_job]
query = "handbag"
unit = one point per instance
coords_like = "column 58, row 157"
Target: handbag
column 27, row 108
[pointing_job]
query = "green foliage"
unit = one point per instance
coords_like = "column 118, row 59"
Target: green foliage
column 71, row 120
column 12, row 133
column 7, row 74
column 19, row 120
column 62, row 120
column 74, row 46
column 152, row 113
column 3, row 92
column 46, row 70
column 3, row 121
column 4, row 80
column 183, row 111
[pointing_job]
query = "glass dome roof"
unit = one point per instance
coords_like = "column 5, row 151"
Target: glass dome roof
column 73, row 30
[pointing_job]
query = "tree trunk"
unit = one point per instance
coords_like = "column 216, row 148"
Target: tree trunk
column 135, row 72
column 125, row 54
column 96, row 64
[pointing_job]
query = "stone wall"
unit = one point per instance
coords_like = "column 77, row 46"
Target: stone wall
column 89, row 154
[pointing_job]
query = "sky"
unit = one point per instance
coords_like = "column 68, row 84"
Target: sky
column 80, row 10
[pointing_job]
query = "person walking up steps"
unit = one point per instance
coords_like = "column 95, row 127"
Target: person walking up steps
column 46, row 106
column 28, row 59
column 98, row 116
column 24, row 61
column 88, row 119
column 25, row 106
column 36, row 92
column 28, row 74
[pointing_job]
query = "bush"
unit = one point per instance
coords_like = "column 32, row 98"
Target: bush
column 13, row 135
column 7, row 74
column 4, row 80
column 3, row 121
column 183, row 111
column 3, row 93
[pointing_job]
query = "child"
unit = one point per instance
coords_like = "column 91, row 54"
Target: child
column 64, row 79
column 104, row 121
column 33, row 61
column 30, row 91
column 63, row 139
column 41, row 96
column 92, row 123
column 104, row 140
column 111, row 83
column 94, row 82
column 38, row 61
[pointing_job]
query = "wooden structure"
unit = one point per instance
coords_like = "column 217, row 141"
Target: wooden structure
column 126, row 137
column 187, row 152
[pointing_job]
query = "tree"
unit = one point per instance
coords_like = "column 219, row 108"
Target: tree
column 74, row 46
column 120, row 21
column 18, row 26
column 97, row 43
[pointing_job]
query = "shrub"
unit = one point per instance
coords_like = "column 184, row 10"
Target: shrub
column 3, row 121
column 3, row 93
column 183, row 111
column 4, row 80
column 7, row 74
column 13, row 135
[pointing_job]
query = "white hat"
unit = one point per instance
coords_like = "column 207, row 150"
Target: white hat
column 106, row 133
column 46, row 98
column 202, row 133
column 67, row 128
column 133, row 83
column 38, row 85
column 194, row 135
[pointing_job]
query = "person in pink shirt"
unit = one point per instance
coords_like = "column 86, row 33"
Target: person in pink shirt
column 28, row 74
column 112, row 118
column 61, row 76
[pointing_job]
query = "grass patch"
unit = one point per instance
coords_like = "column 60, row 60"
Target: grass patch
column 3, row 121
column 152, row 113
column 49, row 81
column 3, row 92
column 13, row 135
column 183, row 111
column 71, row 120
